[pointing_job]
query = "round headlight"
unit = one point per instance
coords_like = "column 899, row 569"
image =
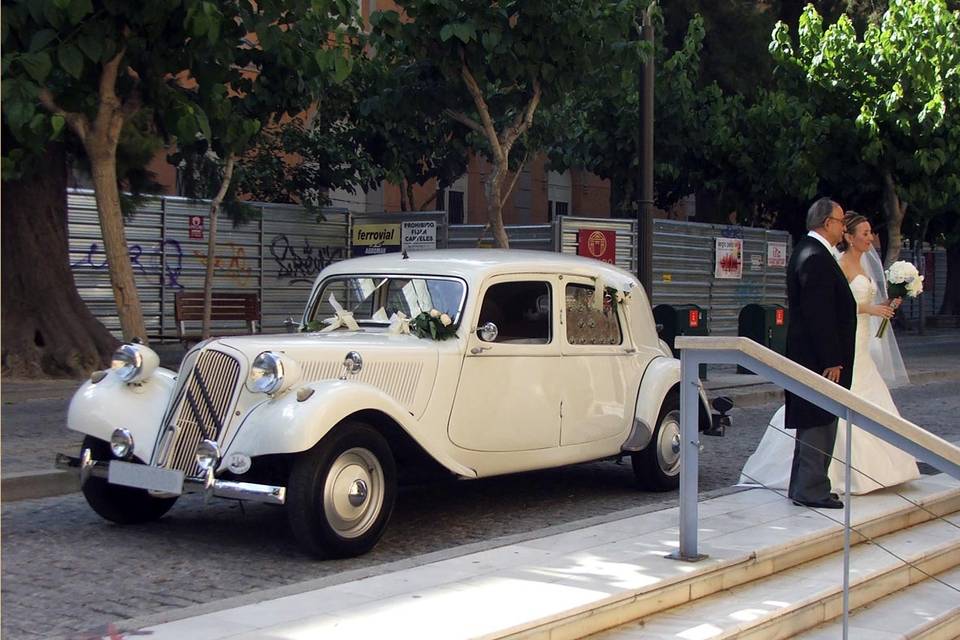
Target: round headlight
column 121, row 443
column 266, row 374
column 208, row 454
column 134, row 362
column 127, row 362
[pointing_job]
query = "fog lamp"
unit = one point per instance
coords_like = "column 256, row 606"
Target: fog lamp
column 208, row 454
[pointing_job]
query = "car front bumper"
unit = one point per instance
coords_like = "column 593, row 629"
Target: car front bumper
column 166, row 482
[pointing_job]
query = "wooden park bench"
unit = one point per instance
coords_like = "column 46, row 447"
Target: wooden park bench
column 225, row 306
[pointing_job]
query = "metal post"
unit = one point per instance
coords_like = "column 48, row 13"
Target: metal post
column 846, row 524
column 645, row 179
column 689, row 454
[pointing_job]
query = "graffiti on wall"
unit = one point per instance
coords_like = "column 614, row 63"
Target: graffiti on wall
column 301, row 264
column 234, row 266
column 148, row 262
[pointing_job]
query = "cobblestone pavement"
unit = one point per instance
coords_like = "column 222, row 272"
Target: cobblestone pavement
column 67, row 572
column 34, row 413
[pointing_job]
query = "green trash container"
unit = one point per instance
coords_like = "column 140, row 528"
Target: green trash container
column 681, row 320
column 766, row 324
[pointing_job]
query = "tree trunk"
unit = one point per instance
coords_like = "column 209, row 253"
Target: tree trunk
column 894, row 211
column 212, row 245
column 951, row 292
column 47, row 328
column 103, row 170
column 495, row 203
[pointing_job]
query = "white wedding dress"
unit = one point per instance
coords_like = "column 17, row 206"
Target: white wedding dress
column 876, row 464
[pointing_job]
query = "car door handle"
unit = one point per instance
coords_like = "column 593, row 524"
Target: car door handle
column 479, row 350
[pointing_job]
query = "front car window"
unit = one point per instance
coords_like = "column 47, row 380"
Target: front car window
column 374, row 299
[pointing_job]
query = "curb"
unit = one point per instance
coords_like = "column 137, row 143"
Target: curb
column 27, row 485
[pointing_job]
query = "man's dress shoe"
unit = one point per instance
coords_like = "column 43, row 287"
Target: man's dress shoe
column 826, row 503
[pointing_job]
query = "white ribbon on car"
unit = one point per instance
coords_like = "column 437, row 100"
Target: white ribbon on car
column 399, row 323
column 599, row 288
column 343, row 318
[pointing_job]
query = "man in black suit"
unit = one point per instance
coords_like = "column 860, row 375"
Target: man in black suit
column 821, row 337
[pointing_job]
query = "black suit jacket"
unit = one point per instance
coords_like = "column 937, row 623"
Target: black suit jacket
column 823, row 324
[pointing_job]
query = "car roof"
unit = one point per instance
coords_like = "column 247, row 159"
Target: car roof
column 472, row 264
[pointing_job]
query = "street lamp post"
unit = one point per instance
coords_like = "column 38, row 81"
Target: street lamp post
column 645, row 178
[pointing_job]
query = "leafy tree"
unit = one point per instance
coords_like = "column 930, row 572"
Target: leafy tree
column 896, row 87
column 86, row 68
column 501, row 62
column 266, row 61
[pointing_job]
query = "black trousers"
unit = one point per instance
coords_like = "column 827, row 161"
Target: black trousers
column 811, row 458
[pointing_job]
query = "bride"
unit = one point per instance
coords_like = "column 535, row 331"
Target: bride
column 876, row 463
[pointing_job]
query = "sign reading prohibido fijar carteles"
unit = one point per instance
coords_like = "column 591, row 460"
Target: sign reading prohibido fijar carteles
column 374, row 239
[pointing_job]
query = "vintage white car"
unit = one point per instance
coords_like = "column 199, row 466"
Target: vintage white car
column 475, row 363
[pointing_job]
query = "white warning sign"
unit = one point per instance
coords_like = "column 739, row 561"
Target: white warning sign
column 419, row 235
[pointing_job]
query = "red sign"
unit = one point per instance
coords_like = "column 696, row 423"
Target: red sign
column 196, row 227
column 598, row 244
column 778, row 317
column 694, row 321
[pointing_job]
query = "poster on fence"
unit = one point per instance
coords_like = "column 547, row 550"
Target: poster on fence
column 729, row 259
column 777, row 254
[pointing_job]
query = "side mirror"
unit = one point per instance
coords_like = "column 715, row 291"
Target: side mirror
column 488, row 332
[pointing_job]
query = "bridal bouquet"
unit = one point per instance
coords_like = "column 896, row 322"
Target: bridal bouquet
column 433, row 324
column 903, row 279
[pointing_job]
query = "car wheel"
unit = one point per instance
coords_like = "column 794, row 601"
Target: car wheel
column 657, row 467
column 123, row 505
column 341, row 492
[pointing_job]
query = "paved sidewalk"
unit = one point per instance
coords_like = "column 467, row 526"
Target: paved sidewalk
column 512, row 590
column 33, row 412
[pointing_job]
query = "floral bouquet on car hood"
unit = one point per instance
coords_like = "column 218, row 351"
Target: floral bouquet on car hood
column 433, row 324
column 903, row 279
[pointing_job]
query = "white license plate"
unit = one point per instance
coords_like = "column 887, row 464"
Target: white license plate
column 145, row 477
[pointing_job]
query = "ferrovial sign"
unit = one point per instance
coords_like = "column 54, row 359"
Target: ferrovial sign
column 419, row 235
column 372, row 239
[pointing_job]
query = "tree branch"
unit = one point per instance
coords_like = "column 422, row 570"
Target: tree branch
column 480, row 102
column 524, row 120
column 109, row 118
column 76, row 121
column 463, row 118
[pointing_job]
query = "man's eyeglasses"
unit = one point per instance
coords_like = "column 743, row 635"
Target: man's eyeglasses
column 840, row 220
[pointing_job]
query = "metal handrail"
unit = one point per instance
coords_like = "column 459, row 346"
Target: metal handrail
column 809, row 385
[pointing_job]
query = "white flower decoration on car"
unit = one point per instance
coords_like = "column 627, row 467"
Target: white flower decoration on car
column 445, row 320
column 399, row 323
column 343, row 318
column 434, row 313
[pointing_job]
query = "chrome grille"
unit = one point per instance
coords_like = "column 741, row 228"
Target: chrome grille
column 204, row 409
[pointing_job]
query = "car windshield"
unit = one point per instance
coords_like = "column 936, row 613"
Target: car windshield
column 374, row 299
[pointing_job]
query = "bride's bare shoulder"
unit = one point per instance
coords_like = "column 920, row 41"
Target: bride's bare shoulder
column 850, row 267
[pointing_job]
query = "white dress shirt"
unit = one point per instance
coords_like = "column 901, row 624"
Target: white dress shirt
column 832, row 249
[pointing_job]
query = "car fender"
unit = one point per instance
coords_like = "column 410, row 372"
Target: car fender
column 660, row 378
column 288, row 425
column 97, row 408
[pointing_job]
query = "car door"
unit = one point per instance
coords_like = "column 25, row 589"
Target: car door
column 508, row 397
column 600, row 372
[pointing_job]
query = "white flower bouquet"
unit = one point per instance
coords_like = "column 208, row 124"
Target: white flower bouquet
column 903, row 279
column 433, row 324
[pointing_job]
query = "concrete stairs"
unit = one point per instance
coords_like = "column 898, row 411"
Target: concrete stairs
column 783, row 590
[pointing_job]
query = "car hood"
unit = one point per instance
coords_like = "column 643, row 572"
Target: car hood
column 402, row 366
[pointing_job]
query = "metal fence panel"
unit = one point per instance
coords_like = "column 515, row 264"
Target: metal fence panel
column 278, row 256
column 539, row 237
column 625, row 229
column 683, row 270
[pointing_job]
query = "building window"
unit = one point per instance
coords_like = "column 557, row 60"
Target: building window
column 560, row 208
column 455, row 207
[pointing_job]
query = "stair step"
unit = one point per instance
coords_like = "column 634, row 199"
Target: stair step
column 928, row 610
column 802, row 597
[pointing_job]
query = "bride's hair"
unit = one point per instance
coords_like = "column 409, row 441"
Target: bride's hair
column 851, row 220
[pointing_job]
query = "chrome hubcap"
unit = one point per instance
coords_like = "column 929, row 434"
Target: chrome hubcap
column 358, row 493
column 353, row 492
column 668, row 444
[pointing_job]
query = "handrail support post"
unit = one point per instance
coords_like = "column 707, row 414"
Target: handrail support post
column 690, row 360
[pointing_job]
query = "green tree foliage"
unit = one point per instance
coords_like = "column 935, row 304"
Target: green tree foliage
column 895, row 90
column 499, row 63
